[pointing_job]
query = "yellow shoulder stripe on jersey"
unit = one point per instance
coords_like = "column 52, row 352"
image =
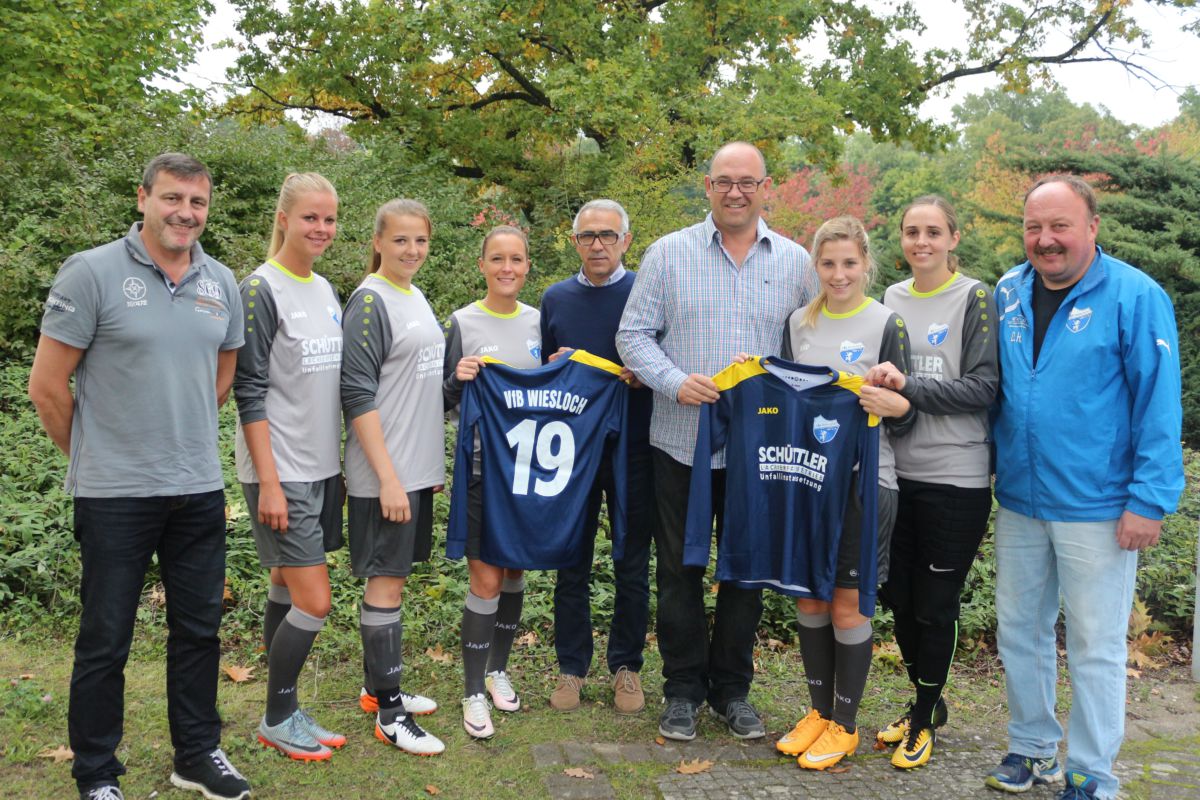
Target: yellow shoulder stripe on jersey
column 855, row 383
column 735, row 373
column 490, row 360
column 954, row 276
column 289, row 273
column 593, row 360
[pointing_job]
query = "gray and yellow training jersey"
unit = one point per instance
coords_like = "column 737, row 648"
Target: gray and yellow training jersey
column 952, row 382
column 393, row 365
column 289, row 373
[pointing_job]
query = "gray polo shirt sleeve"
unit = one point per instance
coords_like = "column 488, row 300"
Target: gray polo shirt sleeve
column 893, row 347
column 368, row 334
column 72, row 307
column 452, row 387
column 980, row 370
column 252, row 378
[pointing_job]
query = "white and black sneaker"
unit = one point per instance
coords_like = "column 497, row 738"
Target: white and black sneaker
column 477, row 718
column 404, row 733
column 213, row 776
column 108, row 791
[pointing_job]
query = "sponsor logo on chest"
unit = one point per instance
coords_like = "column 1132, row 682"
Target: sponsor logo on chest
column 134, row 290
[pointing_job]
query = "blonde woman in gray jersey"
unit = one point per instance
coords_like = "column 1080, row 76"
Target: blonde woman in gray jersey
column 395, row 456
column 502, row 327
column 943, row 464
column 289, row 447
column 844, row 329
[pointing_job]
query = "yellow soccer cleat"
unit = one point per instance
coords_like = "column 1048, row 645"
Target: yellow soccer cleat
column 801, row 737
column 915, row 751
column 833, row 745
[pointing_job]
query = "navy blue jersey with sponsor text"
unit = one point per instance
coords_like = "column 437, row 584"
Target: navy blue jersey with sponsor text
column 542, row 433
column 793, row 435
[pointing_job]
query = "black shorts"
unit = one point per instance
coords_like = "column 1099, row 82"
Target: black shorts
column 850, row 546
column 382, row 548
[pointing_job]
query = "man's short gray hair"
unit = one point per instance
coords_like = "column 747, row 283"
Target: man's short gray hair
column 602, row 205
column 1076, row 184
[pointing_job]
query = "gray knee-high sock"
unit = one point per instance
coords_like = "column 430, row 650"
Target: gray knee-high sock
column 293, row 639
column 852, row 657
column 508, row 617
column 816, row 650
column 478, row 625
column 279, row 602
column 382, row 634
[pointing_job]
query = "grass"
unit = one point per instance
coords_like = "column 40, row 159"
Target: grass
column 33, row 720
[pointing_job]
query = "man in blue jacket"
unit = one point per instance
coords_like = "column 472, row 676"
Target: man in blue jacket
column 1088, row 461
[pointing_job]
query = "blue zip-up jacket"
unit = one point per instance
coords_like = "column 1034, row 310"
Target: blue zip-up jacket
column 1094, row 429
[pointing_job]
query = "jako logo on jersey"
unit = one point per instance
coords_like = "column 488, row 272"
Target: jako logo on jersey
column 850, row 351
column 535, row 347
column 768, row 410
column 938, row 331
column 1078, row 319
column 825, row 429
column 334, row 314
column 207, row 287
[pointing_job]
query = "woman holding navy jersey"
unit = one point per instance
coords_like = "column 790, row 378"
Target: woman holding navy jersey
column 844, row 329
column 504, row 328
column 289, row 447
column 943, row 469
column 395, row 456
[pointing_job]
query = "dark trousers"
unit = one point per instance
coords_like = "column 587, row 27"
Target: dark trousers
column 631, row 608
column 117, row 537
column 723, row 670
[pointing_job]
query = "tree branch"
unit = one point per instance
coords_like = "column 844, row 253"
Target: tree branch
column 337, row 112
column 496, row 98
column 522, row 81
column 1065, row 57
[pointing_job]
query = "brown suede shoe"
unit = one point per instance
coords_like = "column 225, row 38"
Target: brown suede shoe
column 565, row 696
column 628, row 697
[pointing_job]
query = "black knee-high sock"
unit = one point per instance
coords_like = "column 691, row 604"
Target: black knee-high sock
column 478, row 625
column 508, row 617
column 938, row 642
column 279, row 602
column 293, row 639
column 382, row 634
column 852, row 657
column 816, row 650
column 908, row 639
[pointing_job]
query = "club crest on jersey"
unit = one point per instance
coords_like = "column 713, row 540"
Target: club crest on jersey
column 535, row 347
column 1078, row 319
column 850, row 351
column 333, row 314
column 825, row 429
column 937, row 333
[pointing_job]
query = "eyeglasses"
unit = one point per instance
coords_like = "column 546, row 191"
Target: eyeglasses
column 745, row 185
column 585, row 238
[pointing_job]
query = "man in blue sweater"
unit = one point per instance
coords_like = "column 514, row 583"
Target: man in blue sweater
column 583, row 312
column 1088, row 462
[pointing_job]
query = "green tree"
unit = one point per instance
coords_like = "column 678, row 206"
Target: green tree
column 70, row 64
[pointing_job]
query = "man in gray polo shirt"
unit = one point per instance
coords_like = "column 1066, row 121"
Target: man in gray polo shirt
column 149, row 326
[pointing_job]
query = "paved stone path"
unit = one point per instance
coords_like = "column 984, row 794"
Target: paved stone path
column 754, row 771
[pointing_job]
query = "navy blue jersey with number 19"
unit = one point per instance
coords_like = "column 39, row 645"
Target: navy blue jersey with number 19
column 542, row 433
column 793, row 436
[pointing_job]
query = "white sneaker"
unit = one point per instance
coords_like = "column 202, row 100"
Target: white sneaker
column 406, row 734
column 477, row 720
column 413, row 703
column 504, row 696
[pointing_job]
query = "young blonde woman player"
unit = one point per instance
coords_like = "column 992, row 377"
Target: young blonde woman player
column 395, row 456
column 288, row 447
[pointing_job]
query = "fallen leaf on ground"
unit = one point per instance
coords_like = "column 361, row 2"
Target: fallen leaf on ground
column 157, row 596
column 25, row 676
column 716, row 587
column 838, row 770
column 239, row 674
column 694, row 767
column 528, row 639
column 59, row 754
column 431, row 789
column 774, row 644
column 578, row 772
column 436, row 653
column 660, row 741
column 880, row 745
column 228, row 595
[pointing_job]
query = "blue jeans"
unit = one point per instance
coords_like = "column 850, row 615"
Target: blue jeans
column 631, row 608
column 1036, row 562
column 117, row 537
